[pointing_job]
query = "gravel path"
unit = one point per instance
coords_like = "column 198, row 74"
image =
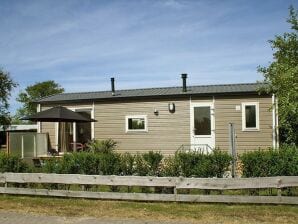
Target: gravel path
column 20, row 218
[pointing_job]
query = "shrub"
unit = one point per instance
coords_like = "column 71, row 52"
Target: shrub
column 153, row 160
column 262, row 163
column 109, row 163
column 198, row 164
column 141, row 166
column 220, row 162
column 187, row 162
column 104, row 146
column 10, row 163
column 69, row 165
column 170, row 167
column 127, row 164
column 85, row 163
column 51, row 166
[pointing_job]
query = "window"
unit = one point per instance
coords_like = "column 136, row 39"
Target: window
column 136, row 123
column 83, row 130
column 202, row 121
column 75, row 132
column 250, row 116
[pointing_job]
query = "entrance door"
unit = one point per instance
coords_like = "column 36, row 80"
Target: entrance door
column 202, row 127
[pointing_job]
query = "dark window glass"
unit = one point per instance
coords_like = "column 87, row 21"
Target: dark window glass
column 136, row 123
column 202, row 121
column 83, row 130
column 250, row 116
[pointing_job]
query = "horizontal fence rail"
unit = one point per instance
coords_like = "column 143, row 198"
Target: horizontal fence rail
column 176, row 183
column 89, row 179
column 238, row 183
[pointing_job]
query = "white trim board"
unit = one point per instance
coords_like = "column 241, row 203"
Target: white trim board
column 243, row 105
column 203, row 138
column 136, row 116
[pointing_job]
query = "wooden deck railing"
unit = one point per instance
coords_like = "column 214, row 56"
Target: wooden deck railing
column 8, row 181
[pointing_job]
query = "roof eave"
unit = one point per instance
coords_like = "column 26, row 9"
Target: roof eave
column 180, row 96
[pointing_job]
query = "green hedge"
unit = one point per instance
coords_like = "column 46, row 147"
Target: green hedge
column 148, row 164
column 84, row 163
column 266, row 163
column 105, row 163
column 261, row 163
column 9, row 163
column 194, row 164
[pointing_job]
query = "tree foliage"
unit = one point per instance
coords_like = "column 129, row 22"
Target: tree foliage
column 6, row 86
column 35, row 92
column 282, row 77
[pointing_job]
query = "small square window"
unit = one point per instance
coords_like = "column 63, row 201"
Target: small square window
column 250, row 116
column 136, row 123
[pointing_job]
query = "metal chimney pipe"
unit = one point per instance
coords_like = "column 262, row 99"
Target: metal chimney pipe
column 113, row 86
column 184, row 77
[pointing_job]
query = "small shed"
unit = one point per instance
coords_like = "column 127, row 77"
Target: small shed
column 4, row 132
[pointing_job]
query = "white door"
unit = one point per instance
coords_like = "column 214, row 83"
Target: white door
column 202, row 126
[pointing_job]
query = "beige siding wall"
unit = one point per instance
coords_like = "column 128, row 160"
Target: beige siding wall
column 168, row 131
column 225, row 112
column 49, row 128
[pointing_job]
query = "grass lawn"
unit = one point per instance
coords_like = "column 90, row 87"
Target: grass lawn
column 193, row 213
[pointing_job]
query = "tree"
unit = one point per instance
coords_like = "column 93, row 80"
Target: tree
column 35, row 92
column 6, row 86
column 282, row 78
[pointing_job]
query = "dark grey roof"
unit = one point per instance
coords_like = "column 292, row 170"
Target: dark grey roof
column 156, row 92
column 57, row 114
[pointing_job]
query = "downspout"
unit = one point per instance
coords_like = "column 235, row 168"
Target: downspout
column 38, row 123
column 92, row 123
column 190, row 121
column 275, row 128
column 213, row 122
column 277, row 123
column 273, row 122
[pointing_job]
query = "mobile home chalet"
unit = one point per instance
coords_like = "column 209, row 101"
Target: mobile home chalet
column 166, row 119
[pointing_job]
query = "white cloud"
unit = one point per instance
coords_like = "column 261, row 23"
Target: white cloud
column 174, row 4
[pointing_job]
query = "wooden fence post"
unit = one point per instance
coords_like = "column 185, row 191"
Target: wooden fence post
column 5, row 183
column 34, row 146
column 23, row 153
column 175, row 193
column 279, row 188
column 232, row 141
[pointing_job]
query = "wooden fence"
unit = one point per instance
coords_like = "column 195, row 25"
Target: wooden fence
column 8, row 181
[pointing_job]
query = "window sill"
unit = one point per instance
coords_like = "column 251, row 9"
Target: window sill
column 203, row 136
column 136, row 132
column 251, row 130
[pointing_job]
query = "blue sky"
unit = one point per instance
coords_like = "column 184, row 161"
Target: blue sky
column 81, row 44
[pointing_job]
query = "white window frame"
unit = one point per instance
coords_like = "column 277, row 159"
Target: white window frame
column 127, row 130
column 256, row 104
